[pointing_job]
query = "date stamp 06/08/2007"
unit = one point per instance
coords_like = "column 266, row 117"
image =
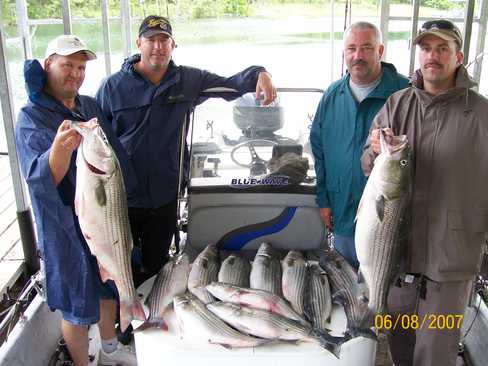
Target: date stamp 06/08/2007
column 413, row 321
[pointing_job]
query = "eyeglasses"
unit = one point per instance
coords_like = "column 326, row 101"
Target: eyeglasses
column 441, row 24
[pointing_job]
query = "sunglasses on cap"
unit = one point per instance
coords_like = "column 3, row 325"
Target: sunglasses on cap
column 441, row 24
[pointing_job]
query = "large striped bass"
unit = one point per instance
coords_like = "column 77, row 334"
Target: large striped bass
column 204, row 270
column 258, row 299
column 101, row 206
column 265, row 324
column 171, row 280
column 380, row 218
column 294, row 279
column 199, row 324
column 266, row 270
column 235, row 270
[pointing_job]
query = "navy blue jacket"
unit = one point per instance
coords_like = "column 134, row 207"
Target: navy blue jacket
column 72, row 279
column 147, row 119
column 339, row 131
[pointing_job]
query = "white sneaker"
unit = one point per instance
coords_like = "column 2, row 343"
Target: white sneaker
column 122, row 356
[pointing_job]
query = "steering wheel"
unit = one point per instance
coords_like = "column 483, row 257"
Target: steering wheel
column 256, row 161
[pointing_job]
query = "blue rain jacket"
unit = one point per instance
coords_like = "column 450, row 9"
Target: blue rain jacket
column 72, row 277
column 147, row 119
column 339, row 131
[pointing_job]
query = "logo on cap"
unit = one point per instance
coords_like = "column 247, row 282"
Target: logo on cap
column 158, row 22
column 75, row 42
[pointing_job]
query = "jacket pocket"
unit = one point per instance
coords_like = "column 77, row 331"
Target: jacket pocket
column 464, row 242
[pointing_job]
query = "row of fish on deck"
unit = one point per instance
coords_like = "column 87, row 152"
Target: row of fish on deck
column 262, row 302
column 239, row 304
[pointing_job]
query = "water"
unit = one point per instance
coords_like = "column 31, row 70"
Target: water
column 296, row 51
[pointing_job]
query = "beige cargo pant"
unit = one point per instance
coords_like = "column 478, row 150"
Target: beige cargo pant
column 431, row 344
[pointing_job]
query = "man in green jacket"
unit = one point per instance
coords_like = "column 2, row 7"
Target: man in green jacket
column 341, row 126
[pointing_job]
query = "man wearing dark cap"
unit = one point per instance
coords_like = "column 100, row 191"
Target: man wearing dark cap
column 447, row 128
column 147, row 102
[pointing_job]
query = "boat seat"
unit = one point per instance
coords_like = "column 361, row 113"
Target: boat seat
column 241, row 219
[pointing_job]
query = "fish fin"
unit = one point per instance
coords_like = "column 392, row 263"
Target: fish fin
column 100, row 195
column 360, row 276
column 152, row 323
column 362, row 332
column 287, row 341
column 338, row 297
column 380, row 207
column 329, row 342
column 225, row 345
column 128, row 312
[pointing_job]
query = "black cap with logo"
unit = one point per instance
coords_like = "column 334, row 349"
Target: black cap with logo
column 154, row 24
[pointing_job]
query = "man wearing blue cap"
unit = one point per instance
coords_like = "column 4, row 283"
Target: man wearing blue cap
column 147, row 102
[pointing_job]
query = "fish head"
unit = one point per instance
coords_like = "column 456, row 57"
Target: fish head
column 181, row 302
column 220, row 290
column 96, row 150
column 211, row 251
column 294, row 257
column 265, row 250
column 391, row 174
column 182, row 259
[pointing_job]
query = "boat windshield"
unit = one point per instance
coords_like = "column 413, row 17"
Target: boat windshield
column 241, row 143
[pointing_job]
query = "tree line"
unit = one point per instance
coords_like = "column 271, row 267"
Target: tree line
column 193, row 9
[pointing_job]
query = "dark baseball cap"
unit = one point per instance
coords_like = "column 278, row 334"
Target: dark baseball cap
column 154, row 24
column 441, row 28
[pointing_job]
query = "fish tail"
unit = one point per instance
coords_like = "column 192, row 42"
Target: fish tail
column 329, row 342
column 129, row 311
column 153, row 323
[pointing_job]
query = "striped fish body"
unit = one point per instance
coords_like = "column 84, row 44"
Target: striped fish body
column 343, row 281
column 235, row 270
column 261, row 323
column 257, row 299
column 266, row 271
column 199, row 324
column 204, row 270
column 101, row 206
column 171, row 280
column 380, row 218
column 294, row 279
column 318, row 299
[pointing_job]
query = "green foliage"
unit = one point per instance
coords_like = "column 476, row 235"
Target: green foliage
column 439, row 4
column 238, row 8
column 196, row 9
column 204, row 9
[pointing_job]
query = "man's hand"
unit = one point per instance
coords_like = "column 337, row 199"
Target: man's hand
column 65, row 142
column 66, row 138
column 265, row 86
column 375, row 139
column 326, row 216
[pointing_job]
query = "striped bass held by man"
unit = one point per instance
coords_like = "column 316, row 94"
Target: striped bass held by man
column 101, row 206
column 380, row 217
